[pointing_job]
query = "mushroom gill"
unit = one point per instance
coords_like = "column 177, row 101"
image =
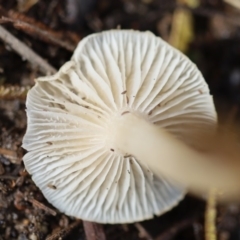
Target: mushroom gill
column 72, row 140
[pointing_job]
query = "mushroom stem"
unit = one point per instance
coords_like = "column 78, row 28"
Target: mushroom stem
column 165, row 155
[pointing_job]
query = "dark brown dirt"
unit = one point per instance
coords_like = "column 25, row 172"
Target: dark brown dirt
column 24, row 213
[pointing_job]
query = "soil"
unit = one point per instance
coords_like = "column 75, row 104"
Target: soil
column 24, row 212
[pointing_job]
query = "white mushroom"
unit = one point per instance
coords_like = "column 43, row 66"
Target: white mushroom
column 90, row 124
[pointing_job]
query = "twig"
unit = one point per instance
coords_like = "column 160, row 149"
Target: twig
column 41, row 206
column 210, row 13
column 93, row 231
column 210, row 217
column 13, row 92
column 27, row 53
column 38, row 32
column 71, row 36
column 171, row 232
column 143, row 233
column 24, row 6
column 181, row 33
column 234, row 3
column 63, row 232
column 8, row 177
column 11, row 155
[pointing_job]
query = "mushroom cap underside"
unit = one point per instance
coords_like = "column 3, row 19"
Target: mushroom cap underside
column 70, row 156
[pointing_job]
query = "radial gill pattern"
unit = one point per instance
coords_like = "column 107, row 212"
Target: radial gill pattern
column 68, row 113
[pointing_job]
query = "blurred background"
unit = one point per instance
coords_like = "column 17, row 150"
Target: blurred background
column 207, row 31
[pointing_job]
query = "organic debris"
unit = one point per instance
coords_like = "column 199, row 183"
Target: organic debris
column 40, row 38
